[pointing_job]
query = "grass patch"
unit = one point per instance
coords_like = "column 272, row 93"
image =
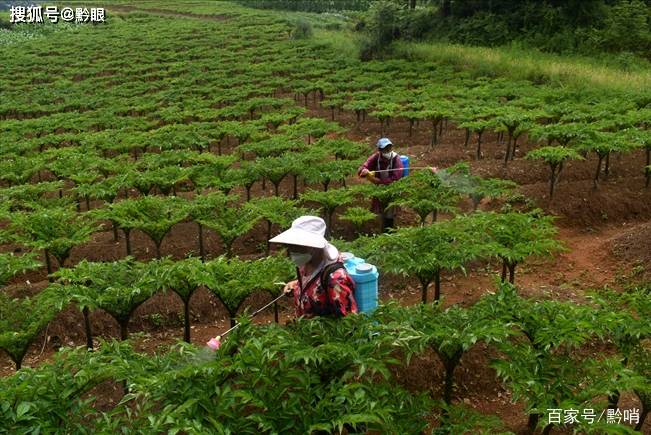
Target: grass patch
column 343, row 42
column 523, row 64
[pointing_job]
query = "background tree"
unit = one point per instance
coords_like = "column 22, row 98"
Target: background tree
column 425, row 193
column 117, row 287
column 203, row 206
column 358, row 216
column 424, row 251
column 230, row 221
column 22, row 320
column 545, row 369
column 326, row 172
column 275, row 169
column 33, row 196
column 276, row 211
column 12, row 265
column 233, row 280
column 603, row 145
column 449, row 333
column 555, row 157
column 311, row 128
column 183, row 277
column 518, row 236
column 274, row 271
column 56, row 231
column 643, row 139
column 153, row 215
column 328, row 202
column 510, row 119
column 477, row 188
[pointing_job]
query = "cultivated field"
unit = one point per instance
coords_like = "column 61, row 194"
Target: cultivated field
column 145, row 162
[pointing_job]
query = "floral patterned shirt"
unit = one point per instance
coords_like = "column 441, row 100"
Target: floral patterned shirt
column 337, row 300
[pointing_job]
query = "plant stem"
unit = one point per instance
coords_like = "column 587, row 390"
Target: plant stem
column 512, row 272
column 124, row 330
column 503, row 277
column 437, row 285
column 648, row 167
column 18, row 361
column 186, row 320
column 450, row 364
column 267, row 249
column 202, row 252
column 127, row 236
column 643, row 414
column 508, row 150
column 295, row 191
column 479, row 135
column 89, row 334
column 596, row 177
column 48, row 262
column 424, row 286
column 533, row 422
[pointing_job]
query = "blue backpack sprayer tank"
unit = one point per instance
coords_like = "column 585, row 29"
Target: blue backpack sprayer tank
column 366, row 277
column 405, row 165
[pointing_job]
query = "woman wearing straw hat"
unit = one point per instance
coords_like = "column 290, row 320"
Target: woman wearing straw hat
column 382, row 167
column 323, row 287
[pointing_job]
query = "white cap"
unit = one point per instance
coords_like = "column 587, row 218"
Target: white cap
column 307, row 231
column 383, row 143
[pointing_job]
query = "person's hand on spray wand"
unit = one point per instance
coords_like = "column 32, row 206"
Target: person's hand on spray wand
column 288, row 290
column 369, row 175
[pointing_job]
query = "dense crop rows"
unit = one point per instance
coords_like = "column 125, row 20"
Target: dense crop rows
column 127, row 140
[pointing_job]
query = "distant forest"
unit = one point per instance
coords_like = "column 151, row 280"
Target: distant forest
column 562, row 26
column 554, row 25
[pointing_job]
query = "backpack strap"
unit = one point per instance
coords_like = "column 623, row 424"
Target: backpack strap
column 325, row 274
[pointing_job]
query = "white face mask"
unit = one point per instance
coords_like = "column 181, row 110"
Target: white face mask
column 386, row 155
column 300, row 259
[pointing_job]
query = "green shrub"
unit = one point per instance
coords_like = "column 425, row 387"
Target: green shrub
column 417, row 23
column 382, row 27
column 627, row 27
column 302, row 29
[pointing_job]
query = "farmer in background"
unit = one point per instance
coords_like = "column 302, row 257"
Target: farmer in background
column 323, row 287
column 382, row 167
